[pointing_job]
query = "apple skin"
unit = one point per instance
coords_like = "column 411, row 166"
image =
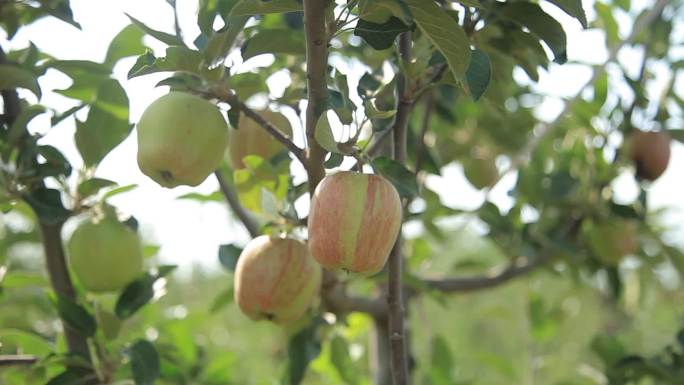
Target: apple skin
column 354, row 221
column 276, row 279
column 250, row 139
column 612, row 241
column 182, row 138
column 650, row 151
column 105, row 255
column 481, row 172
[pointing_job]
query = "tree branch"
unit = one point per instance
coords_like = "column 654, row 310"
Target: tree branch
column 317, row 89
column 337, row 301
column 496, row 278
column 396, row 314
column 52, row 242
column 266, row 125
column 22, row 359
column 250, row 225
column 61, row 281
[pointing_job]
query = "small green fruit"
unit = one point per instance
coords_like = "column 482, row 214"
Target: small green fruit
column 481, row 172
column 182, row 139
column 251, row 139
column 105, row 255
column 612, row 241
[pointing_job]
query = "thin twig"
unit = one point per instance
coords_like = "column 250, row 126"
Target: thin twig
column 250, row 225
column 22, row 359
column 298, row 152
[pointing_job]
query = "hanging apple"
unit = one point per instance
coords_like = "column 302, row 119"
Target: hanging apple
column 354, row 221
column 250, row 139
column 182, row 139
column 276, row 279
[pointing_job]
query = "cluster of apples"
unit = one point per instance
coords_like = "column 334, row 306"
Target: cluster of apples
column 353, row 222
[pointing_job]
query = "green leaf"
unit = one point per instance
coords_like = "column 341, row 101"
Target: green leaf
column 220, row 43
column 106, row 125
column 144, row 362
column 380, row 35
column 607, row 22
column 440, row 371
column 20, row 280
column 91, row 186
column 76, row 316
column 259, row 7
column 119, row 190
column 324, row 135
column 444, row 32
column 12, row 77
column 374, row 113
column 216, row 196
column 47, row 204
column 221, row 300
column 177, row 58
column 302, row 348
column 540, row 24
column 159, row 35
column 72, row 376
column 228, row 256
column 55, row 162
column 479, row 73
column 339, row 356
column 274, row 41
column 134, row 296
column 58, row 117
column 128, row 42
column 572, row 8
column 401, row 177
column 19, row 127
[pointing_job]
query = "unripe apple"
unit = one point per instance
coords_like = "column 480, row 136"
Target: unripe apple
column 354, row 221
column 650, row 152
column 105, row 255
column 276, row 279
column 611, row 241
column 182, row 139
column 481, row 172
column 251, row 139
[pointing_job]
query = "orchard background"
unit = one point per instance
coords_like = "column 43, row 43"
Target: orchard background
column 504, row 281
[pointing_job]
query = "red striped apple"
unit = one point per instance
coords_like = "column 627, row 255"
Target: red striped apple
column 354, row 221
column 650, row 151
column 276, row 279
column 250, row 139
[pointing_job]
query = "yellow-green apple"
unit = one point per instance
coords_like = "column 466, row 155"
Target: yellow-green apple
column 611, row 241
column 481, row 172
column 276, row 279
column 650, row 151
column 105, row 255
column 182, row 139
column 251, row 139
column 354, row 221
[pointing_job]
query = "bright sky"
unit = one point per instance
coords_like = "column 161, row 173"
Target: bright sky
column 190, row 232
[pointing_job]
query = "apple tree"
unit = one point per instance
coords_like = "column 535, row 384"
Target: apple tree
column 331, row 174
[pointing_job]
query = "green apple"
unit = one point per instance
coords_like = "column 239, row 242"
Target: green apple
column 276, row 279
column 481, row 172
column 105, row 255
column 182, row 139
column 354, row 221
column 251, row 139
column 611, row 241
